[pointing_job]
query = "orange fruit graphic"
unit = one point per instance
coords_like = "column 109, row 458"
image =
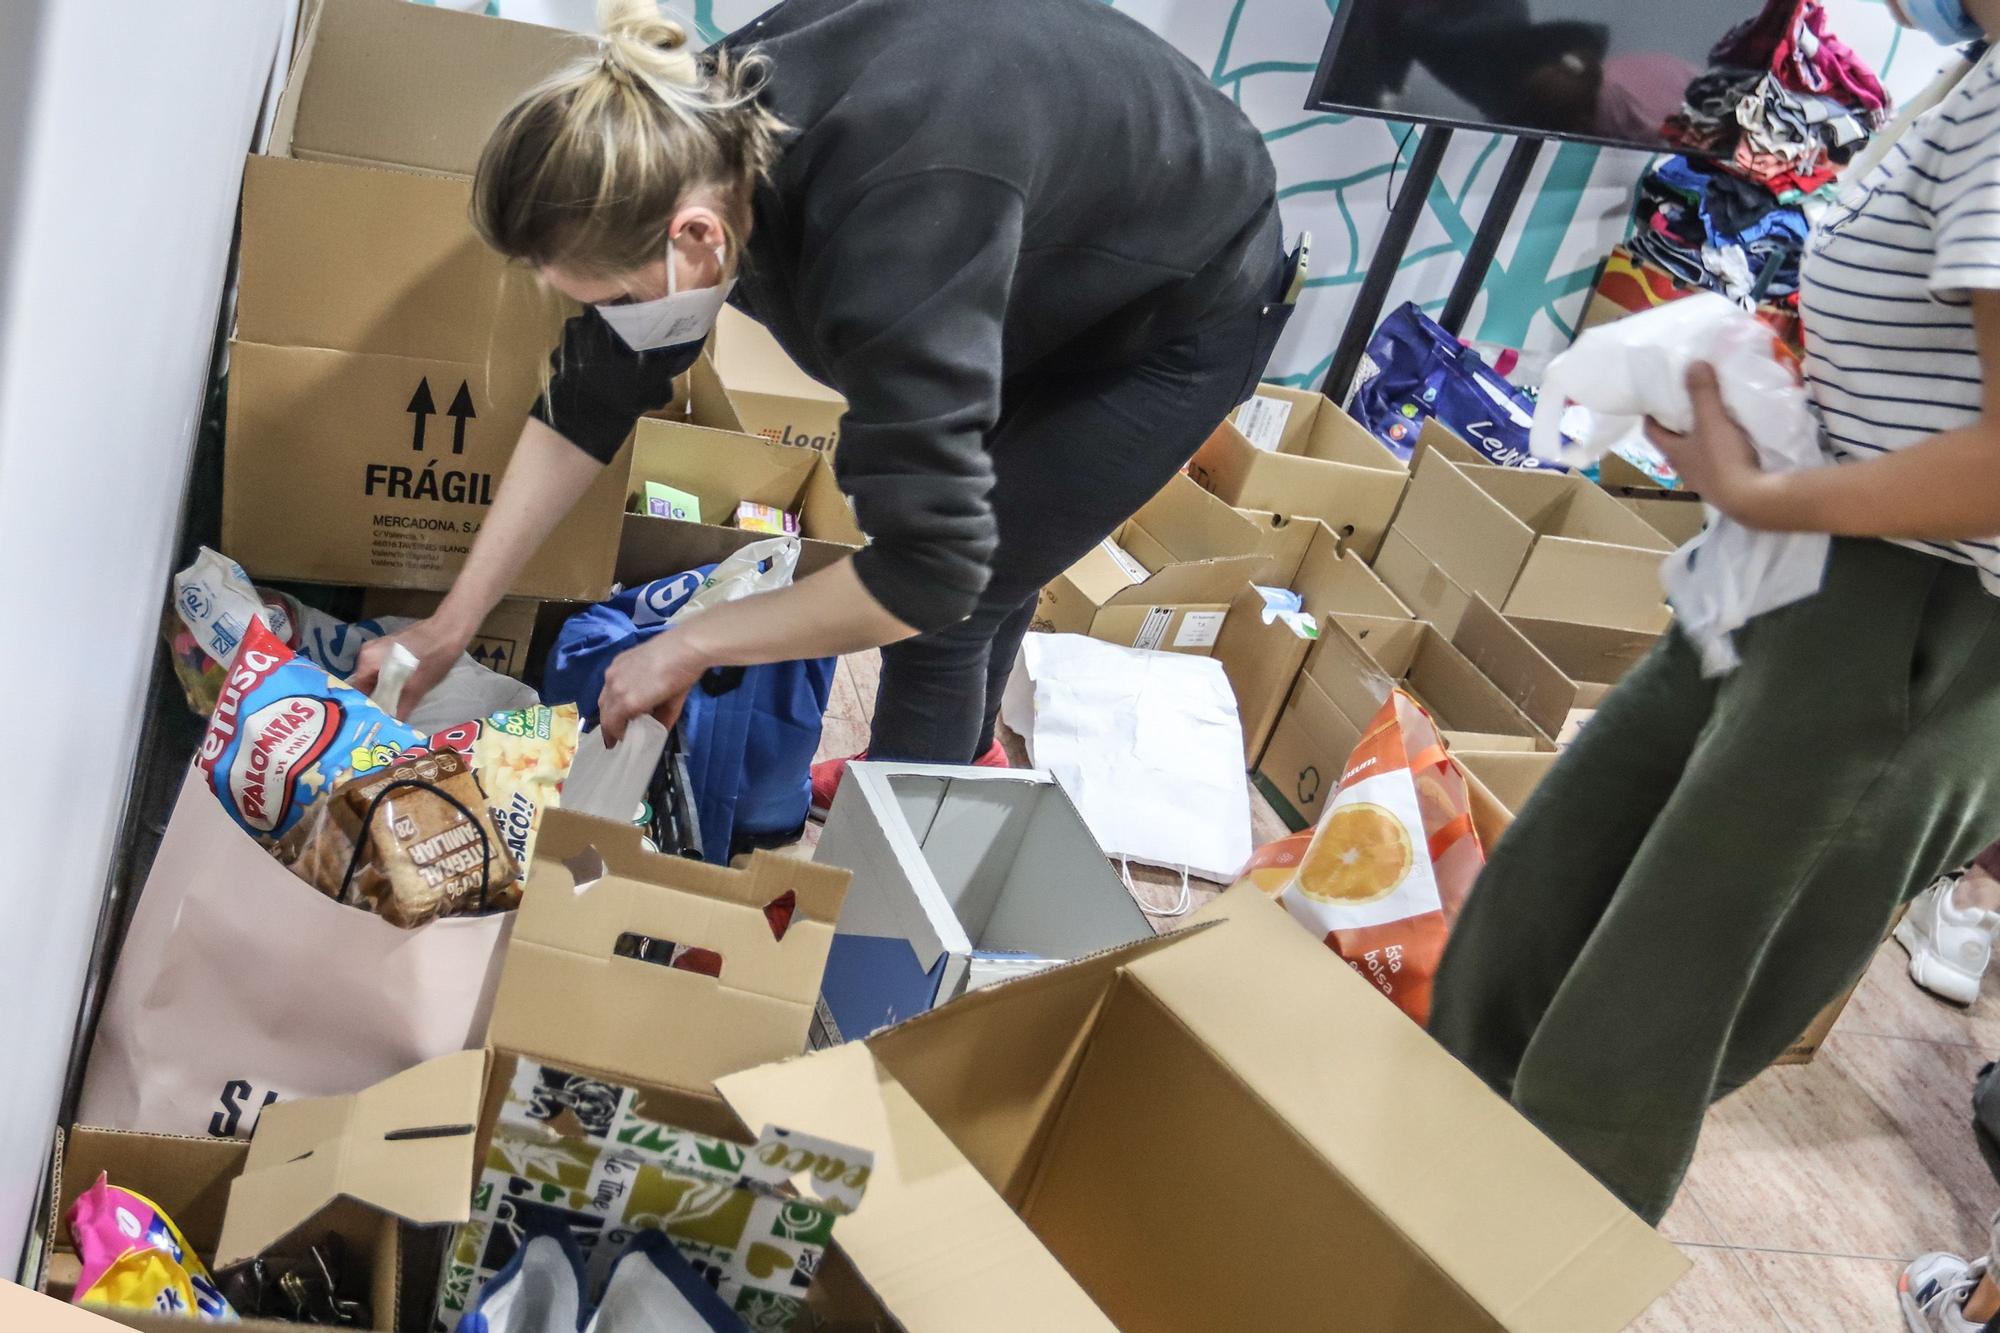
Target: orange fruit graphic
column 1361, row 854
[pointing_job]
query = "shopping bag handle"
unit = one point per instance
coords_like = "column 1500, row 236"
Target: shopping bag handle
column 368, row 826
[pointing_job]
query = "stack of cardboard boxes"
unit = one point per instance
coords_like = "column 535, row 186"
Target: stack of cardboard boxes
column 384, row 359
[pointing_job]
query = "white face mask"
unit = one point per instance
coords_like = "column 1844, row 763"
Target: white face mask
column 672, row 320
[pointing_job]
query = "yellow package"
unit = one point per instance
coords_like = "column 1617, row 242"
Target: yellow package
column 133, row 1257
column 522, row 757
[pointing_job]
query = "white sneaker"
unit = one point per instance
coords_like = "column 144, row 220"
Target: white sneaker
column 1949, row 945
column 1933, row 1291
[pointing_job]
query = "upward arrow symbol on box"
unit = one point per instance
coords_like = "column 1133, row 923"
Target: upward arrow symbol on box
column 460, row 411
column 421, row 408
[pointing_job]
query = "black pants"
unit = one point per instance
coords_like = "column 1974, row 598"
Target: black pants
column 1073, row 457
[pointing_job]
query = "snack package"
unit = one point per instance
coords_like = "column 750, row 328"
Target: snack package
column 522, row 756
column 754, row 517
column 663, row 501
column 134, row 1258
column 285, row 732
column 1391, row 862
column 411, row 843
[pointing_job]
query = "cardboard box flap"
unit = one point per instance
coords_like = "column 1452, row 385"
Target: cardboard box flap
column 358, row 259
column 1565, row 506
column 1502, row 1212
column 1591, row 583
column 1598, row 654
column 749, row 359
column 1190, row 523
column 1201, row 583
column 404, row 1146
column 867, row 827
column 1506, row 657
column 989, row 1066
column 1457, row 526
column 938, row 1247
column 411, row 86
column 601, row 949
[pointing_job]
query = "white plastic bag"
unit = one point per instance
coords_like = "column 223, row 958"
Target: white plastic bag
column 1636, row 367
column 1148, row 745
column 759, row 567
column 216, row 599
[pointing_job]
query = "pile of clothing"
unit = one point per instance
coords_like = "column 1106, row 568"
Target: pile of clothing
column 1784, row 105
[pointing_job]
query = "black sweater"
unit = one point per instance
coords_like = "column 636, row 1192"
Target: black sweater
column 971, row 191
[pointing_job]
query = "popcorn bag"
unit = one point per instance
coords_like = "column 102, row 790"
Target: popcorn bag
column 1394, row 856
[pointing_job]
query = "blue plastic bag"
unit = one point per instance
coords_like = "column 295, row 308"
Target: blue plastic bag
column 1424, row 372
column 749, row 733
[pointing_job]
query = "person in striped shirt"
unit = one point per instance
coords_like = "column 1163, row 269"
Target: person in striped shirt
column 1715, row 860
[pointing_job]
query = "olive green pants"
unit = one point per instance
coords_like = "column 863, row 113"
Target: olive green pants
column 1714, row 861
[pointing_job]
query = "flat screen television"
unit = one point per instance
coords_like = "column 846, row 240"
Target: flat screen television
column 1603, row 71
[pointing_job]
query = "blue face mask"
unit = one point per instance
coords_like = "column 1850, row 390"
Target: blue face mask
column 1943, row 21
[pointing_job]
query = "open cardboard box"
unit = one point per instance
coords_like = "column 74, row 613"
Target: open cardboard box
column 353, row 1169
column 595, row 993
column 1348, row 676
column 1156, row 1138
column 1165, row 579
column 1262, row 660
column 774, row 398
column 1343, row 476
column 384, row 359
column 962, row 877
column 721, row 466
column 1553, row 669
column 1533, row 544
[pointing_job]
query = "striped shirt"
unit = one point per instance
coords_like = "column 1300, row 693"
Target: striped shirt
column 1890, row 354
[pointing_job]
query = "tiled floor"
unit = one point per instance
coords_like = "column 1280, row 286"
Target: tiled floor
column 1814, row 1185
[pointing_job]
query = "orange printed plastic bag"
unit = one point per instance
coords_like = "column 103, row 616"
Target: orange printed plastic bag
column 1383, row 876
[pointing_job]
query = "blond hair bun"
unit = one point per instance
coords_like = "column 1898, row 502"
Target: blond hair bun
column 642, row 42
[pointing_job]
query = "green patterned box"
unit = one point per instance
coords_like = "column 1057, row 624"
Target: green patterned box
column 575, row 1151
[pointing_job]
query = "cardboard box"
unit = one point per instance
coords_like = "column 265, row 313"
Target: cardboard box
column 1675, row 514
column 1166, row 578
column 962, row 877
column 384, row 359
column 721, row 466
column 348, row 1167
column 503, row 639
column 1531, row 543
column 1350, row 481
column 385, row 82
column 774, row 398
column 1552, row 669
column 1262, row 660
column 599, row 1008
column 1348, row 676
column 1135, row 1140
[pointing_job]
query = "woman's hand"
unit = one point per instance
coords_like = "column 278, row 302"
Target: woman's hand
column 653, row 678
column 1716, row 459
column 437, row 646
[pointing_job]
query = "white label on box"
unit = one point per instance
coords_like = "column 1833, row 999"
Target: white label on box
column 1199, row 629
column 1153, row 630
column 1262, row 421
column 1122, row 558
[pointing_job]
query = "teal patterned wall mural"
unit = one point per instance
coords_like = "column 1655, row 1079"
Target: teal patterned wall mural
column 1337, row 173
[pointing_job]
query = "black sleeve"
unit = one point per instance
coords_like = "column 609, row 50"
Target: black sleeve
column 906, row 297
column 599, row 388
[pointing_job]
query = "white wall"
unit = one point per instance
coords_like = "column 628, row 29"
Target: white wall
column 122, row 133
